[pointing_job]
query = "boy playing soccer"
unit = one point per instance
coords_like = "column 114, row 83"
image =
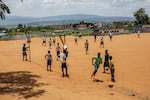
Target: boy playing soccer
column 96, row 61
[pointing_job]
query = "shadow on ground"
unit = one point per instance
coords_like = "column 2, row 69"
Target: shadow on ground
column 21, row 83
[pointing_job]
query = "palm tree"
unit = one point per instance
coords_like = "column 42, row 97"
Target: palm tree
column 3, row 9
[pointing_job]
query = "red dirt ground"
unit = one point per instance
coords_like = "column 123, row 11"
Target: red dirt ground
column 131, row 57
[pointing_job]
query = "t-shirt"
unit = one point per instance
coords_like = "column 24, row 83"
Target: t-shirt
column 106, row 57
column 48, row 56
column 111, row 65
column 24, row 49
column 62, row 58
column 98, row 60
column 86, row 44
column 57, row 48
column 43, row 38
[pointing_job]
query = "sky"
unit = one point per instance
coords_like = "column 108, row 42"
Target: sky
column 43, row 8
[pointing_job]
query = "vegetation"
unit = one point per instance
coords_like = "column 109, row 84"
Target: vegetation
column 141, row 17
column 3, row 9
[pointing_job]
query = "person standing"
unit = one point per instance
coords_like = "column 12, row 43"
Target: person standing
column 48, row 56
column 95, row 35
column 138, row 34
column 112, row 69
column 110, row 36
column 106, row 61
column 86, row 45
column 43, row 40
column 58, row 49
column 76, row 40
column 54, row 41
column 96, row 61
column 50, row 42
column 102, row 42
column 63, row 63
column 24, row 52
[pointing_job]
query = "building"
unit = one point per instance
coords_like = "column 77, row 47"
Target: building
column 145, row 28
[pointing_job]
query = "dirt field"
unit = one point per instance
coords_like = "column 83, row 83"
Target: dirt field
column 21, row 80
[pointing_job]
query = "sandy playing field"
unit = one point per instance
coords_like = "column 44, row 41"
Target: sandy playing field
column 21, row 80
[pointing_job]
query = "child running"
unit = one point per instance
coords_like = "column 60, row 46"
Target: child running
column 96, row 61
column 86, row 45
column 106, row 62
column 48, row 56
column 24, row 52
column 112, row 69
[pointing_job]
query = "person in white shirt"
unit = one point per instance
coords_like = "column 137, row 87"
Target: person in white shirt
column 138, row 34
column 110, row 36
column 62, row 57
column 43, row 40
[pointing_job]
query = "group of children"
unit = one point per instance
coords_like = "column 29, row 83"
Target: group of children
column 62, row 55
column 108, row 63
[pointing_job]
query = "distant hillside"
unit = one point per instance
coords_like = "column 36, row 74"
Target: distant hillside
column 59, row 20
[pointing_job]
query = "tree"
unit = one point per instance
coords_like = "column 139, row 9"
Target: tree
column 3, row 9
column 141, row 17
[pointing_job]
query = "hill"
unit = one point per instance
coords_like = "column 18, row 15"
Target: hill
column 59, row 20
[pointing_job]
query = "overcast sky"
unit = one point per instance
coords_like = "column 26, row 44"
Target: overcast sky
column 40, row 8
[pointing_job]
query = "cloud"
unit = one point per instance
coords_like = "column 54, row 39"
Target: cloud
column 39, row 8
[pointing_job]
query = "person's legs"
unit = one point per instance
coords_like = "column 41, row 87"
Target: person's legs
column 104, row 67
column 63, row 69
column 86, row 50
column 112, row 75
column 25, row 56
column 94, row 72
column 66, row 69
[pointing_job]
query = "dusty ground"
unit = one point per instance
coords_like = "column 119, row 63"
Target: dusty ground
column 30, row 80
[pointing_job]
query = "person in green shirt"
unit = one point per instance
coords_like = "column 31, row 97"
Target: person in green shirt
column 96, row 61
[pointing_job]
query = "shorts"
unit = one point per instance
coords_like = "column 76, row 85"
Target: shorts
column 24, row 53
column 96, row 67
column 58, row 52
column 44, row 41
column 106, row 64
column 28, row 41
column 102, row 43
column 64, row 65
column 48, row 62
column 86, row 48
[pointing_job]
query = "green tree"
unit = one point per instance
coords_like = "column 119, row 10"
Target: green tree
column 141, row 17
column 3, row 9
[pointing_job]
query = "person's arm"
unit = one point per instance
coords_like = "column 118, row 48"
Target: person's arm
column 45, row 56
column 92, row 61
column 101, row 60
column 51, row 58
